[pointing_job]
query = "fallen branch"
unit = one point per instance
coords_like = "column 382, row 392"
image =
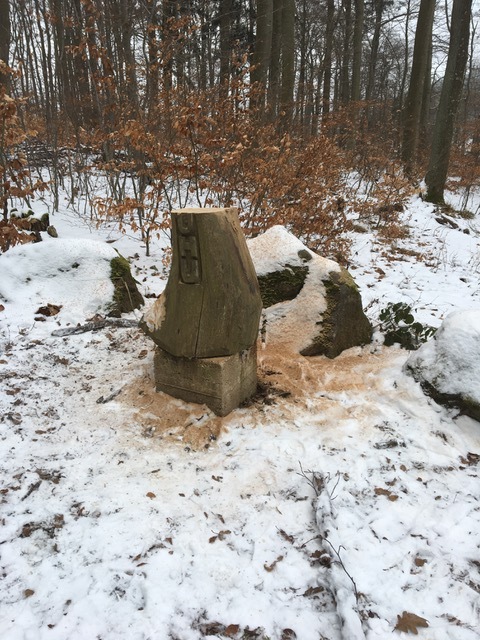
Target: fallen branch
column 341, row 582
column 95, row 326
column 111, row 396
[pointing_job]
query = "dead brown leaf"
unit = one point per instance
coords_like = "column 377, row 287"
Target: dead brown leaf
column 409, row 623
column 232, row 630
column 49, row 310
column 470, row 459
column 286, row 536
column 220, row 536
column 271, row 567
column 151, row 495
column 385, row 492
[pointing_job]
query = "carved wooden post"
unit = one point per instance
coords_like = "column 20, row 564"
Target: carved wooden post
column 206, row 322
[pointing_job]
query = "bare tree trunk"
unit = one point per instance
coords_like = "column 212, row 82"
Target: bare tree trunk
column 275, row 67
column 288, row 62
column 449, row 100
column 327, row 57
column 372, row 67
column 406, row 56
column 263, row 48
column 225, row 19
column 413, row 104
column 426, row 98
column 357, row 49
column 344, row 91
column 153, row 23
column 168, row 16
column 5, row 34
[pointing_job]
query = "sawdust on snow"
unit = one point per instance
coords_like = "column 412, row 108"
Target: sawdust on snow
column 287, row 382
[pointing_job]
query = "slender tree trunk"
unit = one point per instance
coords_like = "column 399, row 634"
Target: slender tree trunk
column 225, row 19
column 263, row 48
column 413, row 104
column 347, row 52
column 168, row 16
column 449, row 100
column 327, row 56
column 357, row 49
column 204, row 45
column 151, row 86
column 5, row 34
column 372, row 67
column 275, row 55
column 406, row 57
column 288, row 62
column 426, row 99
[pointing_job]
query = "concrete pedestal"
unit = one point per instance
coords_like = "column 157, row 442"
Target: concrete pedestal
column 221, row 383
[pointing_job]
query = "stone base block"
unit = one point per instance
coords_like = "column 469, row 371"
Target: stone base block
column 220, row 383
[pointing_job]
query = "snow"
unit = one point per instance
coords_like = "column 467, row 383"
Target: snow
column 451, row 361
column 441, row 276
column 145, row 517
column 277, row 247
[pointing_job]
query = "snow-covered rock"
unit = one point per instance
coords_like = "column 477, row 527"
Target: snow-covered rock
column 79, row 275
column 312, row 304
column 448, row 366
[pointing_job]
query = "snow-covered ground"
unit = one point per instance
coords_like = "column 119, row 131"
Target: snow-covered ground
column 341, row 504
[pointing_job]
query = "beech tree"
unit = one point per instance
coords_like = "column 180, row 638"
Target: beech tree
column 412, row 110
column 449, row 100
column 4, row 40
column 357, row 49
column 288, row 61
column 263, row 46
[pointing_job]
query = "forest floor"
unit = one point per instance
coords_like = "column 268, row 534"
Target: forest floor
column 341, row 503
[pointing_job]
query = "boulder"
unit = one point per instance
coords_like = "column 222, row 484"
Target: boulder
column 126, row 296
column 448, row 365
column 311, row 304
column 82, row 277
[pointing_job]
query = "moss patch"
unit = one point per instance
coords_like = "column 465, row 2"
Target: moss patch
column 279, row 286
column 126, row 296
column 343, row 325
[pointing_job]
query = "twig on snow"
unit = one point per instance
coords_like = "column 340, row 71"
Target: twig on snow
column 114, row 394
column 337, row 553
column 315, row 480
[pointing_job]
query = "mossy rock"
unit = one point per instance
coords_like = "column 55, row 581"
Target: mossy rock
column 45, row 221
column 312, row 305
column 344, row 324
column 126, row 296
column 279, row 286
column 464, row 404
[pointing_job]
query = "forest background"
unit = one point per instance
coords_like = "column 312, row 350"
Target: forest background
column 299, row 112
